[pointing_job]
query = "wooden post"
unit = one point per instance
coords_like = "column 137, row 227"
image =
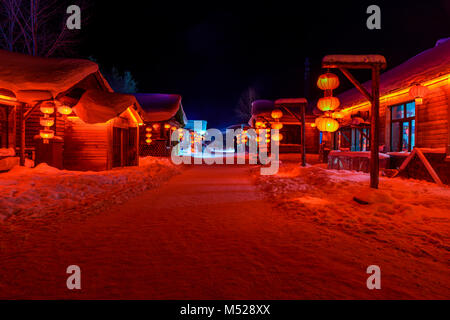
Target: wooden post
column 374, row 132
column 303, row 136
column 22, row 134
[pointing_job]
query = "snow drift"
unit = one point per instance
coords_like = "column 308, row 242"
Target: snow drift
column 44, row 189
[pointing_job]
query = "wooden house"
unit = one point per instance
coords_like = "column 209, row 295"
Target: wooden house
column 163, row 113
column 414, row 113
column 85, row 126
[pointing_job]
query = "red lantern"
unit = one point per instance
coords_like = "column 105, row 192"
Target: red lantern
column 328, row 103
column 277, row 114
column 327, row 124
column 418, row 92
column 277, row 125
column 328, row 81
column 277, row 137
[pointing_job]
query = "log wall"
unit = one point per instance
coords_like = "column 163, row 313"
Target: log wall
column 86, row 146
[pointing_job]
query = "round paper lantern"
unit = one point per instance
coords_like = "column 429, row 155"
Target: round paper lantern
column 148, row 129
column 65, row 110
column 156, row 126
column 328, row 103
column 277, row 125
column 148, row 140
column 277, row 137
column 277, row 114
column 148, row 135
column 327, row 124
column 313, row 125
column 418, row 92
column 47, row 134
column 174, row 128
column 167, row 126
column 259, row 124
column 46, row 122
column 338, row 115
column 328, row 81
column 47, row 108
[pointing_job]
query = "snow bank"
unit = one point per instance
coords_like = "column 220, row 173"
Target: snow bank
column 45, row 189
column 410, row 216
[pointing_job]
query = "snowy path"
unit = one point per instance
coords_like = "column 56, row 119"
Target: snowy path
column 208, row 233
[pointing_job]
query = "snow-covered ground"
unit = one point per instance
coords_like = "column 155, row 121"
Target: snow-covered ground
column 410, row 216
column 44, row 189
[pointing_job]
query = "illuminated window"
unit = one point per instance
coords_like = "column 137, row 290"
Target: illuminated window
column 354, row 138
column 403, row 127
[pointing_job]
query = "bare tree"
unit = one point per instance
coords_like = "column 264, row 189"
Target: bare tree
column 36, row 27
column 244, row 106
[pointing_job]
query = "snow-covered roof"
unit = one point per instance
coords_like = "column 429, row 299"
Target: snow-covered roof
column 96, row 106
column 353, row 58
column 427, row 65
column 19, row 72
column 264, row 108
column 159, row 107
column 291, row 101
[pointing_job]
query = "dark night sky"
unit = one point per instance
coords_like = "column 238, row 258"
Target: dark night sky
column 210, row 52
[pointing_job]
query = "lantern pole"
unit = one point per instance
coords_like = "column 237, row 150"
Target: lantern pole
column 375, row 63
column 303, row 135
column 374, row 125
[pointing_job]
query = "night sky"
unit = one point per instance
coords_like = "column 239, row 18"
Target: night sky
column 210, row 52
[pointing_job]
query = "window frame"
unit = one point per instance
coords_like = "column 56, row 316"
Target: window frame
column 401, row 121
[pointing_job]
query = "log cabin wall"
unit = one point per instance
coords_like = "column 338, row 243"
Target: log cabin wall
column 7, row 126
column 432, row 117
column 86, row 146
column 311, row 136
column 32, row 128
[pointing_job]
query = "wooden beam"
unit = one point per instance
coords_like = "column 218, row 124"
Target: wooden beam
column 374, row 132
column 291, row 113
column 356, row 83
column 22, row 134
column 429, row 168
column 303, row 107
column 29, row 112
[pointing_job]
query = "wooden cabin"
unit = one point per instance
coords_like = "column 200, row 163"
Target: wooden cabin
column 99, row 133
column 414, row 113
column 163, row 113
column 291, row 120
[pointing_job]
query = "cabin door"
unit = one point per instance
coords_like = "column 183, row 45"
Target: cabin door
column 132, row 147
column 124, row 147
column 117, row 147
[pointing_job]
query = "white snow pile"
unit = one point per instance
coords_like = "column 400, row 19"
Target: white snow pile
column 44, row 189
column 409, row 215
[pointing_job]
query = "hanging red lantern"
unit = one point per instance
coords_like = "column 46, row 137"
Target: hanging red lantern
column 46, row 135
column 328, row 103
column 418, row 92
column 46, row 122
column 47, row 108
column 277, row 114
column 327, row 124
column 328, row 81
column 277, row 126
column 167, row 126
column 277, row 137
